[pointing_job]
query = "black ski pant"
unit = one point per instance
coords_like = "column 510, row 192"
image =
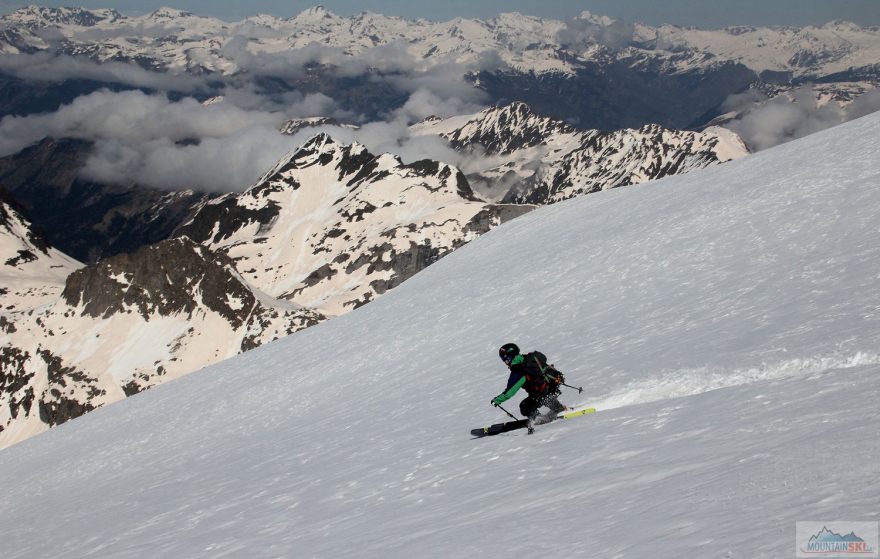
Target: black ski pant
column 529, row 406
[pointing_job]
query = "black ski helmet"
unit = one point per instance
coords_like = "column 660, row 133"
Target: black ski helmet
column 507, row 352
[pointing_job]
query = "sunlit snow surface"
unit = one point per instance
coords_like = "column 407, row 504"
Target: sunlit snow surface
column 725, row 322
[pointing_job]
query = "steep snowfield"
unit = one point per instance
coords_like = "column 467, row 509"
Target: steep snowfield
column 726, row 323
column 31, row 272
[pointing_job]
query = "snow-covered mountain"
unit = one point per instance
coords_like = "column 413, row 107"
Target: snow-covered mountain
column 183, row 41
column 724, row 322
column 126, row 324
column 522, row 157
column 592, row 70
column 32, row 272
column 332, row 226
column 836, row 47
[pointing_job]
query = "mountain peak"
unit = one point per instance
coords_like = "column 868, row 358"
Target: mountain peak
column 518, row 108
column 315, row 15
column 322, row 146
column 506, row 128
column 43, row 16
column 169, row 13
column 319, row 150
column 320, row 140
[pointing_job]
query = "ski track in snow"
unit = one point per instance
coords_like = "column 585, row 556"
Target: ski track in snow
column 675, row 384
column 727, row 322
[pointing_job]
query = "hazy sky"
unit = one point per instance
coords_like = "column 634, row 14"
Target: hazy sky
column 703, row 13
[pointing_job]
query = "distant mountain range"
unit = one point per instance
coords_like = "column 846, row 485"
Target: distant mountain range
column 592, row 71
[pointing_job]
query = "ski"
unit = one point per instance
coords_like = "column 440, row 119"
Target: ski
column 576, row 413
column 499, row 428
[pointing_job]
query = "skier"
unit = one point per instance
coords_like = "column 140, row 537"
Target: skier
column 530, row 371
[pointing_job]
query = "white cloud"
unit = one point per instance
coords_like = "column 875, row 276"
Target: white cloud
column 150, row 140
column 153, row 141
column 230, row 163
column 424, row 103
column 581, row 33
column 48, row 67
column 790, row 116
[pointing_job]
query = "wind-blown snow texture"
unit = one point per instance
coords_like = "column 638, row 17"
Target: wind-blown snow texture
column 725, row 322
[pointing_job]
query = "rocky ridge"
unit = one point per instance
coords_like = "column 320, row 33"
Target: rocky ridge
column 126, row 324
column 524, row 158
column 333, row 226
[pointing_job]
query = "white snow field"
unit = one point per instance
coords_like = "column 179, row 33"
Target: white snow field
column 726, row 323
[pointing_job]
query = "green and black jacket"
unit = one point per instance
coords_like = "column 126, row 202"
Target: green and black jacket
column 527, row 372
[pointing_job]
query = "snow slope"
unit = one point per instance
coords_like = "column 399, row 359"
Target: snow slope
column 32, row 273
column 726, row 323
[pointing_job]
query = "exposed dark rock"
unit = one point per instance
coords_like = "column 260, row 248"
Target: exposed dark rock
column 161, row 279
column 293, row 126
column 352, row 162
column 131, row 388
column 357, row 212
column 23, row 257
column 229, row 215
column 88, row 220
column 319, row 275
column 495, row 215
column 424, row 167
column 61, row 410
column 366, row 170
column 506, row 129
column 463, row 188
column 14, row 379
column 56, row 406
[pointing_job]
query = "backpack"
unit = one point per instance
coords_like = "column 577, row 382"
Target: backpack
column 551, row 375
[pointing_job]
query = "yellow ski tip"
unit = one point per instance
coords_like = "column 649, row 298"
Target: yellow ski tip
column 577, row 413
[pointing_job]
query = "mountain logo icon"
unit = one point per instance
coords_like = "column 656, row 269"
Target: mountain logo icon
column 828, row 543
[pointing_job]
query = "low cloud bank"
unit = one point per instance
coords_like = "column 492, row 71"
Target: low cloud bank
column 50, row 67
column 153, row 141
column 764, row 124
column 150, row 139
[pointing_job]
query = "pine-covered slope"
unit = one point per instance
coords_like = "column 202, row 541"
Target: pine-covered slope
column 332, row 226
column 126, row 324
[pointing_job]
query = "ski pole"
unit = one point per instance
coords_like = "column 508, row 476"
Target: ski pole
column 507, row 412
column 580, row 389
